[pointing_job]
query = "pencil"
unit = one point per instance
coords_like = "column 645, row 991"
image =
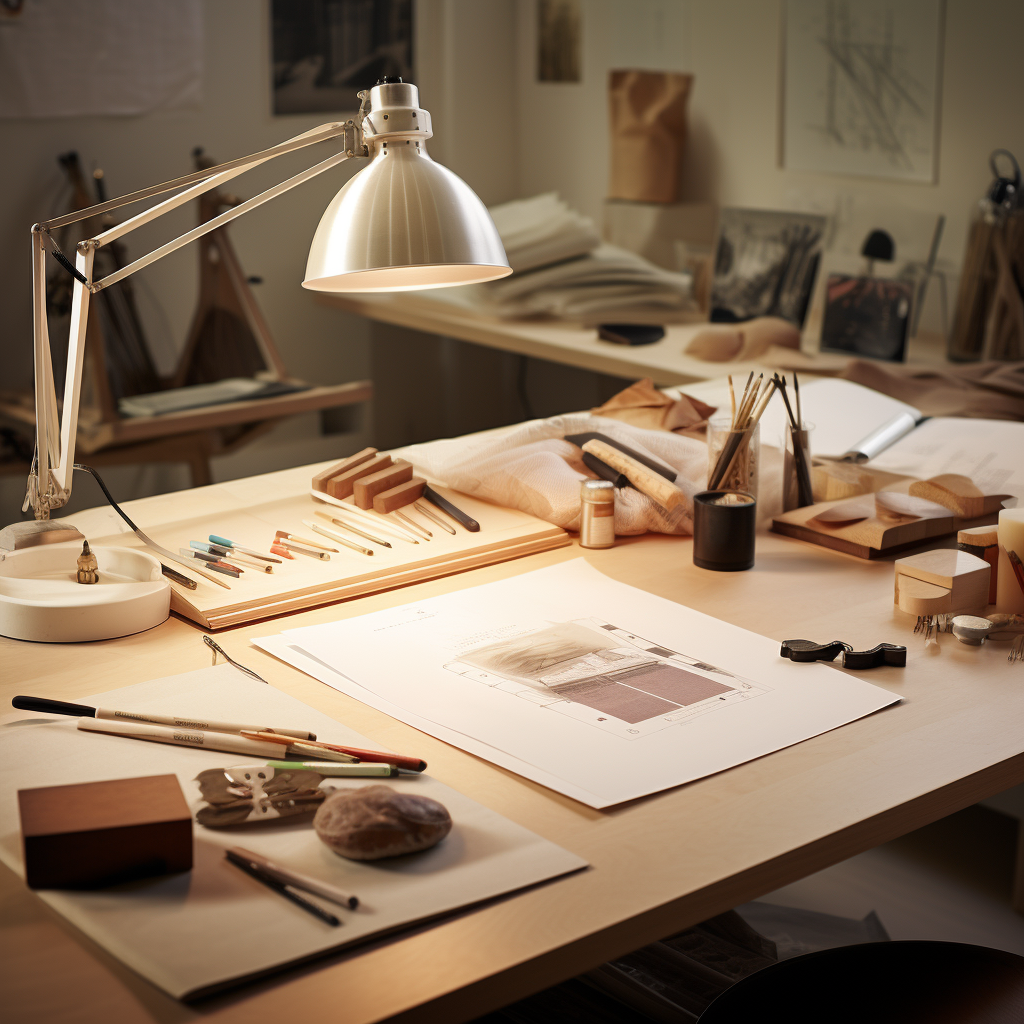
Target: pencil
column 327, row 532
column 284, row 535
column 272, row 882
column 299, row 880
column 302, row 550
column 424, row 511
column 413, row 764
column 354, row 529
column 413, row 525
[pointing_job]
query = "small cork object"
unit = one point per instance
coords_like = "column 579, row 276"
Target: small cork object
column 400, row 496
column 321, row 479
column 366, row 488
column 341, row 486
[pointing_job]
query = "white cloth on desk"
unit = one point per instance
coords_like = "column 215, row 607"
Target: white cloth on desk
column 534, row 469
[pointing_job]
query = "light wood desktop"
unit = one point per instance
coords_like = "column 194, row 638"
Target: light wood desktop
column 659, row 865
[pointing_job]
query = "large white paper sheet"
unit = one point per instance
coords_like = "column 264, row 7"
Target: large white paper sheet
column 586, row 685
column 195, row 932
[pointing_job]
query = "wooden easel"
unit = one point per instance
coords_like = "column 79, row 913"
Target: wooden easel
column 229, row 337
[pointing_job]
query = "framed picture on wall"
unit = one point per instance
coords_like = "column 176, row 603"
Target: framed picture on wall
column 765, row 264
column 326, row 51
column 862, row 85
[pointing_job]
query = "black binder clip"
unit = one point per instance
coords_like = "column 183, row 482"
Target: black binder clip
column 883, row 654
column 808, row 650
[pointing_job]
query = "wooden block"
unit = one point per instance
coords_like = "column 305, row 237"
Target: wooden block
column 915, row 597
column 831, row 481
column 397, row 497
column 341, row 486
column 963, row 576
column 643, row 479
column 320, row 480
column 98, row 833
column 368, row 486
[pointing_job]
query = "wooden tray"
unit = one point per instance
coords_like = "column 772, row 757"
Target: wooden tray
column 249, row 511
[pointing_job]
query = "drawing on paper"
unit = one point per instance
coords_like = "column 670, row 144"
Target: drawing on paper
column 862, row 87
column 605, row 676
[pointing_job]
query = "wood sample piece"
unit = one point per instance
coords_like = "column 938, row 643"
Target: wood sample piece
column 831, row 481
column 945, row 580
column 643, row 479
column 400, row 496
column 98, row 833
column 844, row 526
column 366, row 487
column 953, row 491
column 341, row 486
column 321, row 478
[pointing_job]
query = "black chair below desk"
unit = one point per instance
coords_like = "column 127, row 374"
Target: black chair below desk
column 881, row 983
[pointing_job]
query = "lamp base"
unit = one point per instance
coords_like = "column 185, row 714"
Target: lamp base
column 41, row 599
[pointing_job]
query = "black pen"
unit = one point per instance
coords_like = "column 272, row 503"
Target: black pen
column 272, row 883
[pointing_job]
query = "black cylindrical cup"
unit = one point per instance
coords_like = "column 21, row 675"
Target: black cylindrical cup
column 724, row 523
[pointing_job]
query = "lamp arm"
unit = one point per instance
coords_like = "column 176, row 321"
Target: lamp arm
column 50, row 478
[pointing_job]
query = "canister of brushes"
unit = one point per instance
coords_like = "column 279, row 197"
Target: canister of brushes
column 597, row 514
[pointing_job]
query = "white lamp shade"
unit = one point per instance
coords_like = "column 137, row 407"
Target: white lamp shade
column 401, row 224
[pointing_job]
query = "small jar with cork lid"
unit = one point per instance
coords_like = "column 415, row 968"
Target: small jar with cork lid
column 597, row 514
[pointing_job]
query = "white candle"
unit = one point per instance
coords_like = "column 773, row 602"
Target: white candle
column 1009, row 596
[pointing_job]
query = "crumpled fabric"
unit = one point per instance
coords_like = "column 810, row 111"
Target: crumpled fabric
column 534, row 469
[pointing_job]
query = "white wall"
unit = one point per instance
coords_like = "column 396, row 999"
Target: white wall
column 505, row 133
column 734, row 50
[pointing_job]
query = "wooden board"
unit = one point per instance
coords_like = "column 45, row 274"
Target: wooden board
column 242, row 511
column 874, row 537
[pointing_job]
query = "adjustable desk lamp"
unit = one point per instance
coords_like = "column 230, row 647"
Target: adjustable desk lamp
column 402, row 223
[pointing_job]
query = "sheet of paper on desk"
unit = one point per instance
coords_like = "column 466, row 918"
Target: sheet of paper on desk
column 990, row 452
column 586, row 685
column 196, row 932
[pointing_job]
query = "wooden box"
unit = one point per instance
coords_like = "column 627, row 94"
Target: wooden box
column 99, row 833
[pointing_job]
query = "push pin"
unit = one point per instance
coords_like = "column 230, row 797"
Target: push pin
column 88, row 570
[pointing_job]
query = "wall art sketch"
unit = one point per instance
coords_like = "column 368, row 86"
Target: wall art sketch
column 862, row 87
column 325, row 51
column 765, row 264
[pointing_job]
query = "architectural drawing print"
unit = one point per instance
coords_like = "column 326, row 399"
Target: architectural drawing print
column 597, row 673
column 862, row 87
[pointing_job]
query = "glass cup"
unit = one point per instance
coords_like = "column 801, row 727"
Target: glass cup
column 792, row 468
column 733, row 456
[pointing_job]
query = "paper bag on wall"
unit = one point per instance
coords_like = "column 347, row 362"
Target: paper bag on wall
column 648, row 134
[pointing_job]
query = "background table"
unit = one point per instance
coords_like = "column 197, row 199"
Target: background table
column 659, row 864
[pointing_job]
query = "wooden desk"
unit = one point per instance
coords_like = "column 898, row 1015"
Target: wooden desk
column 562, row 342
column 658, row 865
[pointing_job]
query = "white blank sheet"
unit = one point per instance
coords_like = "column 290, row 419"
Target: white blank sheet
column 196, row 932
column 588, row 686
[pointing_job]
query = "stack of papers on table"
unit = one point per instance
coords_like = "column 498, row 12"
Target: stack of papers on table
column 588, row 686
column 561, row 269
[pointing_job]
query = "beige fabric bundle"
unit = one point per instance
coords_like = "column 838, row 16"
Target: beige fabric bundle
column 536, row 470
